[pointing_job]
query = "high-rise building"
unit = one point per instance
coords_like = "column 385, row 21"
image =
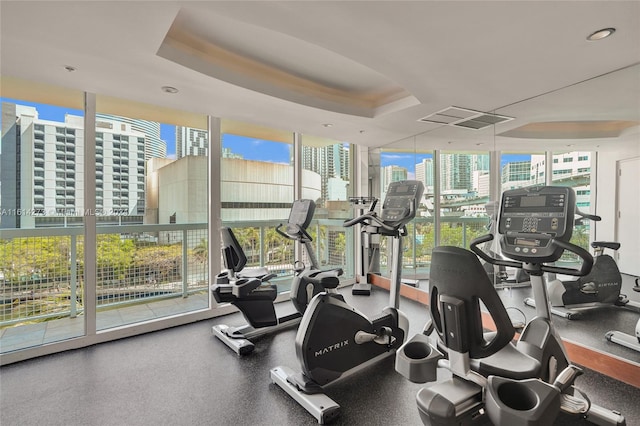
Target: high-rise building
column 391, row 174
column 424, row 173
column 516, row 174
column 330, row 161
column 154, row 146
column 42, row 165
column 573, row 168
column 480, row 162
column 455, row 173
column 190, row 141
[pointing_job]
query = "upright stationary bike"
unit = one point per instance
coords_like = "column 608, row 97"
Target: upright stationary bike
column 250, row 291
column 527, row 383
column 334, row 339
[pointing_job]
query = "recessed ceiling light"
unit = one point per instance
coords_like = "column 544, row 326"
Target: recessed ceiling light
column 169, row 89
column 328, row 125
column 69, row 68
column 600, row 34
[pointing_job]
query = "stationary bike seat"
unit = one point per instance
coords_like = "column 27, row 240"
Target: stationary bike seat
column 605, row 244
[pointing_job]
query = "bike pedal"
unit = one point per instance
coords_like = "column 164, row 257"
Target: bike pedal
column 573, row 405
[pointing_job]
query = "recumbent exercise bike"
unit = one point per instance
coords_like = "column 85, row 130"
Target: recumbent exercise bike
column 250, row 291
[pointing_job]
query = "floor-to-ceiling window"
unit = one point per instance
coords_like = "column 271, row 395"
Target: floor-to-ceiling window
column 257, row 191
column 464, row 193
column 151, row 206
column 573, row 169
column 326, row 178
column 93, row 233
column 41, row 220
column 408, row 164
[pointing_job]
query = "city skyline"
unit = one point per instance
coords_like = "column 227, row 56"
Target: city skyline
column 251, row 148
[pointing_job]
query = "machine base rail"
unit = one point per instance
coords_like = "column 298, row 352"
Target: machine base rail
column 319, row 405
column 240, row 344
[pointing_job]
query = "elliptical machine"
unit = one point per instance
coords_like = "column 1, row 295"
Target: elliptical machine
column 335, row 339
column 368, row 260
column 598, row 288
column 250, row 291
column 528, row 383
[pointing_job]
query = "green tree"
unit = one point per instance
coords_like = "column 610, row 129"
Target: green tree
column 201, row 251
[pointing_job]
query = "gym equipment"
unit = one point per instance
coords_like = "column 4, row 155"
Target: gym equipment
column 369, row 260
column 498, row 273
column 625, row 339
column 600, row 287
column 527, row 383
column 334, row 339
column 250, row 291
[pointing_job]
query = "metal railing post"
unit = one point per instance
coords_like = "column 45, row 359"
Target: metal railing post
column 74, row 277
column 185, row 261
column 262, row 248
column 464, row 234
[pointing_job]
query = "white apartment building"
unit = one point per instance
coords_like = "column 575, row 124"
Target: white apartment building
column 43, row 169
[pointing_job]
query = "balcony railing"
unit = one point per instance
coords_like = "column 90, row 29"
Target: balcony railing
column 41, row 270
column 41, row 276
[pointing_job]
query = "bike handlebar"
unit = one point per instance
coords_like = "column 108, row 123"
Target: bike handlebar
column 301, row 234
column 367, row 218
column 585, row 256
column 593, row 217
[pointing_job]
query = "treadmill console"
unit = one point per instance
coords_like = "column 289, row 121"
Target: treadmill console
column 401, row 201
column 531, row 217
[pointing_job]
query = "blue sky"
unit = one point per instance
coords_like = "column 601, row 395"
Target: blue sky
column 251, row 148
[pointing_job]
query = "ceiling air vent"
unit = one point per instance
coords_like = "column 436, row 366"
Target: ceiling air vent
column 467, row 118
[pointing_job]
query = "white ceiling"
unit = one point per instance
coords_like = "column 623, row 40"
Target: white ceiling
column 370, row 68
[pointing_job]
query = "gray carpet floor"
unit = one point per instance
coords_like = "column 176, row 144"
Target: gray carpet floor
column 185, row 376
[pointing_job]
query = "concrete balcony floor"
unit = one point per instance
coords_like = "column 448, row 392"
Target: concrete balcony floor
column 23, row 336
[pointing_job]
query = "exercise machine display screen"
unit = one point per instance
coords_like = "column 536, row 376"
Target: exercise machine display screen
column 401, row 201
column 531, row 217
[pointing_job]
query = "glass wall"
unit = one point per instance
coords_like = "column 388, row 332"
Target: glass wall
column 151, row 206
column 403, row 164
column 326, row 178
column 41, row 220
column 573, row 169
column 464, row 193
column 257, row 190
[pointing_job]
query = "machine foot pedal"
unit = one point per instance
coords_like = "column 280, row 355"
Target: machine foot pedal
column 573, row 405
